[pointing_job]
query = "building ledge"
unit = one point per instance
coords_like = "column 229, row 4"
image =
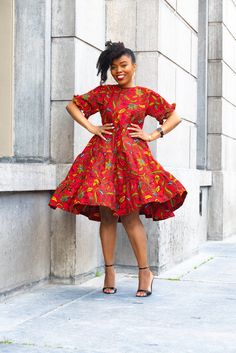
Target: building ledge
column 31, row 176
column 39, row 176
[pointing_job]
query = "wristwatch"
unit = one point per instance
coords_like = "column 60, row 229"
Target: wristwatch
column 159, row 129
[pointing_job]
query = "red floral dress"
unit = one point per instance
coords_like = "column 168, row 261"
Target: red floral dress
column 120, row 173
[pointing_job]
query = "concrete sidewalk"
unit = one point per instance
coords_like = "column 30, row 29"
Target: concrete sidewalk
column 192, row 310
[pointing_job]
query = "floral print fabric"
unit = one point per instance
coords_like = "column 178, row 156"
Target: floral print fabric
column 120, row 173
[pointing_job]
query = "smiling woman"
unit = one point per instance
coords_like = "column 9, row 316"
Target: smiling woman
column 122, row 69
column 116, row 178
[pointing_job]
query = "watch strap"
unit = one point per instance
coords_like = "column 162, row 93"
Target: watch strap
column 159, row 129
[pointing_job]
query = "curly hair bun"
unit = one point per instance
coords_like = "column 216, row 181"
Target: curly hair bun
column 113, row 50
column 114, row 45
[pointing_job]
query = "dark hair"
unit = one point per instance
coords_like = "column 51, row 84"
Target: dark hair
column 114, row 51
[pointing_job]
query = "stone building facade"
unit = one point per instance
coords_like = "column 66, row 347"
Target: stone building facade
column 186, row 51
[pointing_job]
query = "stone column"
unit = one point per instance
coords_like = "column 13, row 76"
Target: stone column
column 63, row 235
column 221, row 118
column 78, row 36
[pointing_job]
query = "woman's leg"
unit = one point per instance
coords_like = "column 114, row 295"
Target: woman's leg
column 138, row 239
column 108, row 238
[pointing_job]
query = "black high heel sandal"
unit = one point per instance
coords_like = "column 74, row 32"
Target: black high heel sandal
column 113, row 288
column 146, row 291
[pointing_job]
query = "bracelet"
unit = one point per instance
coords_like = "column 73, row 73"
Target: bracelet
column 159, row 129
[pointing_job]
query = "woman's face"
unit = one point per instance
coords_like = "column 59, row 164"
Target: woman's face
column 122, row 70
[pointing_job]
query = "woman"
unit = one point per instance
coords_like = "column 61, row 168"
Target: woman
column 115, row 178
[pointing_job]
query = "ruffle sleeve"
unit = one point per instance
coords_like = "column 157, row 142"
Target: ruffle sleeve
column 91, row 101
column 158, row 107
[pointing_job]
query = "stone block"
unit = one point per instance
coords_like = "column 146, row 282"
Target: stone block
column 215, row 214
column 63, row 68
column 214, row 119
column 215, row 40
column 174, row 149
column 222, row 219
column 32, row 79
column 88, row 249
column 214, row 144
column 174, row 41
column 214, row 88
column 63, row 18
column 221, row 117
column 215, row 8
column 229, row 201
column 186, row 95
column 147, row 25
column 166, row 79
column 229, row 48
column 62, row 133
column 228, row 154
column 85, row 72
column 85, row 79
column 229, row 15
column 229, row 84
column 194, row 54
column 7, row 76
column 228, row 119
column 24, row 239
column 63, row 246
column 27, row 176
column 188, row 9
column 118, row 12
column 147, row 70
column 90, row 22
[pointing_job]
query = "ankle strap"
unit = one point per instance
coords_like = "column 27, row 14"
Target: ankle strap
column 141, row 268
column 109, row 265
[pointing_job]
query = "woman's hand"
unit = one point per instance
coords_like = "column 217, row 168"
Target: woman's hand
column 99, row 130
column 139, row 133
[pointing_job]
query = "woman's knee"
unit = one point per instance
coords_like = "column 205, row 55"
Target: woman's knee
column 131, row 218
column 107, row 215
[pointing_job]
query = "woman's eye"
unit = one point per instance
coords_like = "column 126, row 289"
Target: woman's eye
column 112, row 68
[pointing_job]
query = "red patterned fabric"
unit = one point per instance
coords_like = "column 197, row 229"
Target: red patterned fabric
column 120, row 173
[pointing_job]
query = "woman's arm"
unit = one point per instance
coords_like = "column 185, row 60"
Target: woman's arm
column 170, row 123
column 78, row 116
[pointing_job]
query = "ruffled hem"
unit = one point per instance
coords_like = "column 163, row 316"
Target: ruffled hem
column 151, row 209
